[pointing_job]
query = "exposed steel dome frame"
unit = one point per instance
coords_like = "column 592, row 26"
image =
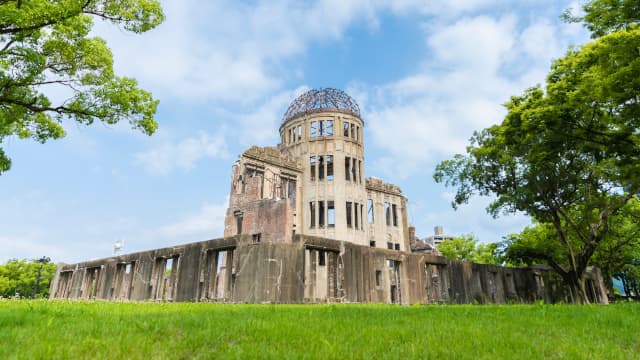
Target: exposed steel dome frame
column 323, row 99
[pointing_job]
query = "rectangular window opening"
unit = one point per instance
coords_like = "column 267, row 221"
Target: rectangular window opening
column 357, row 133
column 321, row 131
column 299, row 132
column 312, row 164
column 395, row 215
column 356, row 215
column 396, row 246
column 331, row 214
column 314, row 129
column 329, row 160
column 370, row 211
column 256, row 238
column 312, row 210
column 390, row 246
column 353, row 170
column 361, row 217
column 353, row 131
column 238, row 223
column 320, row 167
column 321, row 213
column 347, row 170
column 372, row 243
column 387, row 213
column 329, row 128
column 360, row 171
column 349, row 205
column 345, row 131
column 291, row 189
column 322, row 261
column 378, row 277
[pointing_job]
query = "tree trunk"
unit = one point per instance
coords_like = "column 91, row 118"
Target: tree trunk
column 625, row 286
column 576, row 284
column 608, row 283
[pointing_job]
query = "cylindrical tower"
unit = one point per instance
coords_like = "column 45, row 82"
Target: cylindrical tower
column 323, row 127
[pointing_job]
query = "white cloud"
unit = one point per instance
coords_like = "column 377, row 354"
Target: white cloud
column 207, row 223
column 168, row 156
column 28, row 245
column 475, row 65
column 539, row 42
column 475, row 44
column 230, row 51
column 260, row 127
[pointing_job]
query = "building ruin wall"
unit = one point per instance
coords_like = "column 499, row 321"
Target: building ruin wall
column 307, row 270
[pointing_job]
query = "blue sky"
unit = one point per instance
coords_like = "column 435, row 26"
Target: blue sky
column 425, row 73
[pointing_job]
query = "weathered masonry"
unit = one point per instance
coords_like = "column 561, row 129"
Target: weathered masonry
column 309, row 269
column 305, row 224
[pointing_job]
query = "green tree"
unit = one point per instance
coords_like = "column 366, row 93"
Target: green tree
column 568, row 156
column 630, row 277
column 534, row 245
column 18, row 277
column 45, row 49
column 605, row 16
column 616, row 255
column 468, row 248
column 619, row 253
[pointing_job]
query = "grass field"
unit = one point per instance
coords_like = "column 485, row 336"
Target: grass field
column 42, row 329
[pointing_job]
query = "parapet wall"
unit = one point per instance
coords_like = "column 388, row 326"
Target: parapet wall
column 310, row 269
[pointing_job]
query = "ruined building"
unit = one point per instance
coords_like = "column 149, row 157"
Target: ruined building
column 305, row 224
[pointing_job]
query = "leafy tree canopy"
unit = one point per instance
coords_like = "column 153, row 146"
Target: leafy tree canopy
column 605, row 16
column 18, row 278
column 45, row 50
column 468, row 248
column 568, row 156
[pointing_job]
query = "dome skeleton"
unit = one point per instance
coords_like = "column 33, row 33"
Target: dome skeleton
column 316, row 100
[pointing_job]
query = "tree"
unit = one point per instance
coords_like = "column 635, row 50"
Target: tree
column 568, row 156
column 619, row 253
column 630, row 277
column 616, row 256
column 45, row 50
column 18, row 277
column 468, row 248
column 534, row 245
column 605, row 16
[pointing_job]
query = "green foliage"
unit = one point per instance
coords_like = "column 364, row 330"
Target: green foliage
column 194, row 331
column 45, row 48
column 18, row 277
column 534, row 245
column 605, row 16
column 468, row 248
column 568, row 155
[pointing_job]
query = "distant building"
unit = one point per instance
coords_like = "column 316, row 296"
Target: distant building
column 438, row 237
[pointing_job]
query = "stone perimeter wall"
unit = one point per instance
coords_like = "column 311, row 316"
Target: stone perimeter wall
column 309, row 270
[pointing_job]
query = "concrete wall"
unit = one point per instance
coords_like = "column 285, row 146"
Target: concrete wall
column 309, row 269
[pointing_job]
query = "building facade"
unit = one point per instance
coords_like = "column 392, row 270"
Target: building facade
column 319, row 168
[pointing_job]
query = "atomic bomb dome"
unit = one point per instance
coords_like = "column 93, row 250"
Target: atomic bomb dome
column 305, row 225
column 316, row 100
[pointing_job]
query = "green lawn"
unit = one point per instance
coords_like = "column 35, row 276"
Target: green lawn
column 54, row 329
